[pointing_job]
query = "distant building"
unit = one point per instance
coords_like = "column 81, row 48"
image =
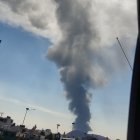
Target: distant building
column 80, row 135
column 5, row 122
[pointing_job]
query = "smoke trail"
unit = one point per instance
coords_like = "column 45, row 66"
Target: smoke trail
column 84, row 59
column 73, row 56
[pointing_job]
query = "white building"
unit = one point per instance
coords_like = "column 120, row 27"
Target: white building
column 80, row 135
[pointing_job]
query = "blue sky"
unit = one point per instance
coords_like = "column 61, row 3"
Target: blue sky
column 26, row 75
column 29, row 79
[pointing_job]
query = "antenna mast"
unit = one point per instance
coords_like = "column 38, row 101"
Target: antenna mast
column 124, row 53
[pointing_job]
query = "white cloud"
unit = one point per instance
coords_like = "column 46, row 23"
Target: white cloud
column 114, row 18
column 34, row 16
column 33, row 106
column 111, row 18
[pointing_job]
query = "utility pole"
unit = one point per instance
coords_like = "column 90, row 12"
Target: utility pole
column 27, row 109
column 1, row 113
column 73, row 125
column 58, row 127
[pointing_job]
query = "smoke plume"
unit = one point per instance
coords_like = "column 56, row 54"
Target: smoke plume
column 83, row 53
column 73, row 56
column 83, row 35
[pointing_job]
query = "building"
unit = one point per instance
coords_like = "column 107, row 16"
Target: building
column 80, row 135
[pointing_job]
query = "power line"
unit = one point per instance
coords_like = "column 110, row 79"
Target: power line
column 124, row 53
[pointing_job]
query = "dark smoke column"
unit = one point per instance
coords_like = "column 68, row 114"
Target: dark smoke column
column 72, row 56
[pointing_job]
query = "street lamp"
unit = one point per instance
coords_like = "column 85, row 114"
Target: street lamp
column 73, row 125
column 57, row 127
column 27, row 109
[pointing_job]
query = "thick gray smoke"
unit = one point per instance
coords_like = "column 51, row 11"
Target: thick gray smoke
column 74, row 58
column 83, row 33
